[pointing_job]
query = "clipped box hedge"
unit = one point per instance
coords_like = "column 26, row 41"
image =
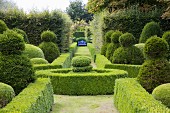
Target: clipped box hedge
column 97, row 82
column 36, row 98
column 92, row 50
column 131, row 97
column 132, row 70
column 101, row 61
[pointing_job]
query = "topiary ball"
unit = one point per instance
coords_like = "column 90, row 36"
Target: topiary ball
column 162, row 93
column 3, row 26
column 21, row 32
column 32, row 51
column 6, row 94
column 156, row 47
column 39, row 61
column 50, row 50
column 166, row 36
column 150, row 29
column 108, row 36
column 48, row 36
column 115, row 37
column 11, row 43
column 81, row 61
column 127, row 40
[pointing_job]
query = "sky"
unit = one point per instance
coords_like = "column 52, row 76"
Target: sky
column 40, row 5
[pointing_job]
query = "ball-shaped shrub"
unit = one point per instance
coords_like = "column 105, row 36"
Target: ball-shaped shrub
column 48, row 36
column 128, row 55
column 3, row 26
column 108, row 36
column 11, row 43
column 140, row 46
column 156, row 47
column 166, row 36
column 50, row 50
column 32, row 51
column 115, row 37
column 150, row 29
column 23, row 33
column 162, row 93
column 104, row 49
column 39, row 61
column 6, row 94
column 127, row 40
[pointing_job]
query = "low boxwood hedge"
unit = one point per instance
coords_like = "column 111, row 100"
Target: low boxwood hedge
column 101, row 61
column 132, row 70
column 97, row 82
column 36, row 98
column 131, row 97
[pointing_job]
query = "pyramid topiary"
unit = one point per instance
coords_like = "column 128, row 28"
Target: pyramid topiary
column 156, row 69
column 15, row 69
column 127, row 53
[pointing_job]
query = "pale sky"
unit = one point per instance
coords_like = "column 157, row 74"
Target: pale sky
column 27, row 5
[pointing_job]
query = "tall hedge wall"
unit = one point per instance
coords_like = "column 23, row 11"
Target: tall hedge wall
column 36, row 22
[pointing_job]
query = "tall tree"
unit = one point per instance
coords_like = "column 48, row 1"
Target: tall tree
column 77, row 11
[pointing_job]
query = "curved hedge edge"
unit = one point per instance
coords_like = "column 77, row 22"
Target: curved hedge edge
column 131, row 97
column 92, row 50
column 37, row 97
column 64, row 60
column 89, row 83
column 132, row 70
column 101, row 61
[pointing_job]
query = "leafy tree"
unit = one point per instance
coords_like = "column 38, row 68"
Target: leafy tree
column 77, row 11
column 7, row 4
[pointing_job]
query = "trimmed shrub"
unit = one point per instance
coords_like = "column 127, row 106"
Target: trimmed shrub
column 50, row 50
column 32, row 51
column 156, row 70
column 108, row 36
column 15, row 69
column 11, row 43
column 37, row 97
column 6, row 94
column 150, row 29
column 166, row 36
column 104, row 49
column 79, row 34
column 162, row 93
column 3, row 26
column 48, row 36
column 38, row 61
column 23, row 33
column 101, row 63
column 82, row 69
column 140, row 46
column 92, row 51
column 131, row 97
column 127, row 40
column 97, row 82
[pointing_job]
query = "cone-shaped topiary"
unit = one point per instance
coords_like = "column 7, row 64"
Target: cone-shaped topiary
column 81, row 64
column 6, row 94
column 39, row 61
column 162, row 93
column 127, row 53
column 3, row 26
column 113, row 45
column 150, row 29
column 50, row 49
column 21, row 32
column 156, row 69
column 15, row 69
column 166, row 36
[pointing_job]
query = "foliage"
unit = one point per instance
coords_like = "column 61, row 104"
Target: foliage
column 32, row 51
column 78, row 34
column 6, row 94
column 132, row 70
column 50, row 50
column 161, row 93
column 38, row 61
column 3, row 26
column 127, row 40
column 131, row 97
column 101, row 63
column 7, row 5
column 140, row 46
column 77, row 11
column 108, row 36
column 92, row 51
column 104, row 49
column 48, row 36
column 166, row 36
column 83, row 69
column 97, row 82
column 23, row 33
column 37, row 97
column 150, row 29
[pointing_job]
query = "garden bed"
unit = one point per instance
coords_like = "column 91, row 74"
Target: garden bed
column 98, row 82
column 131, row 97
column 37, row 97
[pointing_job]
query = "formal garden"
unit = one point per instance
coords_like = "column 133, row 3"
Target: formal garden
column 116, row 63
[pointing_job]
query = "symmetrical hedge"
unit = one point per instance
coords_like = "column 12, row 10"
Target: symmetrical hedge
column 131, row 97
column 93, row 83
column 37, row 97
column 92, row 50
column 132, row 70
column 101, row 61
